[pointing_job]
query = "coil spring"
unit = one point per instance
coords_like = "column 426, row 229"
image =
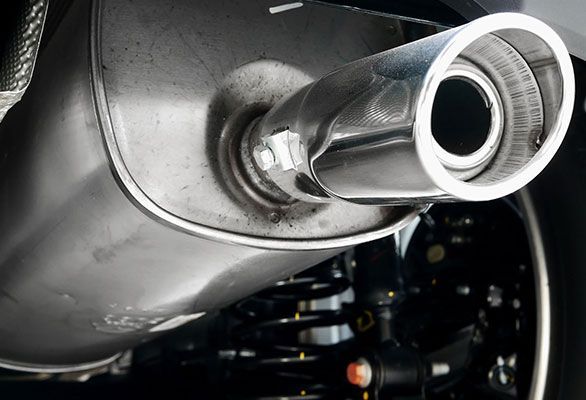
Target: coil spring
column 272, row 363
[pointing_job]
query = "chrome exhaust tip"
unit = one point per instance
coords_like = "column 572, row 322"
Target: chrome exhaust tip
column 521, row 71
column 472, row 113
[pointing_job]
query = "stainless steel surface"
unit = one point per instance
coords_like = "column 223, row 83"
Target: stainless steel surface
column 368, row 126
column 18, row 58
column 566, row 19
column 544, row 309
column 119, row 219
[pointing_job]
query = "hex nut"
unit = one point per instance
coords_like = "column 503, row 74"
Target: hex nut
column 264, row 157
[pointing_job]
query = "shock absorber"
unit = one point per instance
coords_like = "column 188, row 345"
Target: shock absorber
column 271, row 360
column 384, row 366
column 379, row 288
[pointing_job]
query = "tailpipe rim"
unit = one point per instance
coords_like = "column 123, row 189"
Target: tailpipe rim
column 424, row 139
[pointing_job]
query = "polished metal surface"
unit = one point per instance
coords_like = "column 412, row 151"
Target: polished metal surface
column 368, row 129
column 542, row 290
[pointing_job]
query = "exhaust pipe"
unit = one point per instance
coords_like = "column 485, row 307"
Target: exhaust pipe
column 473, row 113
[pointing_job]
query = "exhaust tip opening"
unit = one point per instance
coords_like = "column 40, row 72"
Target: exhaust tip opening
column 460, row 119
column 466, row 121
column 501, row 109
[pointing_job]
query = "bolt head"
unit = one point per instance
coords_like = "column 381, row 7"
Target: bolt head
column 287, row 148
column 264, row 157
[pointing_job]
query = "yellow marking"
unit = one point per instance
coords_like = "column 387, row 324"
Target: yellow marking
column 365, row 395
column 297, row 316
column 391, row 294
column 365, row 321
column 302, row 355
column 303, row 393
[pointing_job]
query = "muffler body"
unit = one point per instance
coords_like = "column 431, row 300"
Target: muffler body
column 118, row 220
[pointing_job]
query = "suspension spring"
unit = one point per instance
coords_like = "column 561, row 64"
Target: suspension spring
column 270, row 358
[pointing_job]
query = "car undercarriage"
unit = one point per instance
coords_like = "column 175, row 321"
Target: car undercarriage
column 305, row 200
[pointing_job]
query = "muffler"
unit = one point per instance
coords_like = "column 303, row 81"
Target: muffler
column 472, row 113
